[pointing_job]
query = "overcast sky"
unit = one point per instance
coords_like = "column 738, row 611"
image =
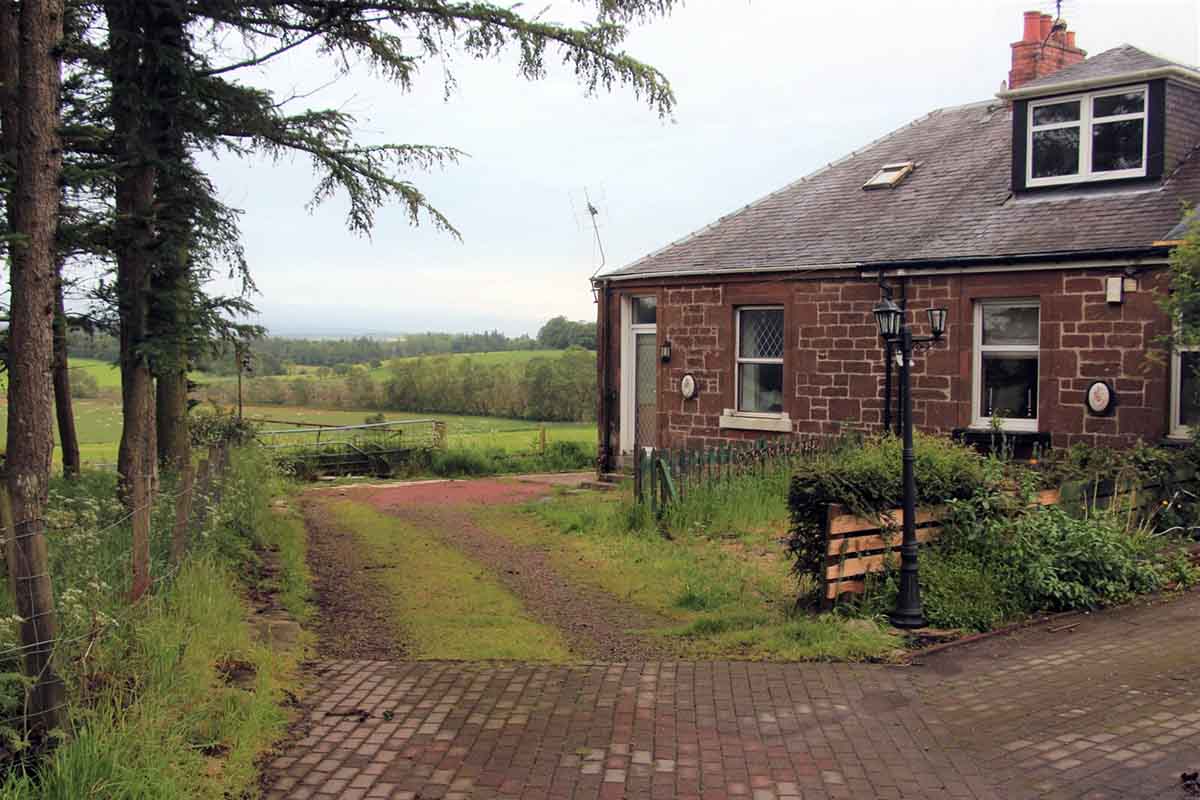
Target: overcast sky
column 768, row 90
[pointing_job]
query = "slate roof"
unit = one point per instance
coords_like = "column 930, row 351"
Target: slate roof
column 1110, row 64
column 957, row 204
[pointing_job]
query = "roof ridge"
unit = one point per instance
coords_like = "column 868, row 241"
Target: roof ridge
column 800, row 181
column 1151, row 53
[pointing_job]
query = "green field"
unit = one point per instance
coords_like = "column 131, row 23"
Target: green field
column 510, row 434
column 108, row 376
column 98, row 423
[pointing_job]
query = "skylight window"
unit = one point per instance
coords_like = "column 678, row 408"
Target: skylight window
column 890, row 175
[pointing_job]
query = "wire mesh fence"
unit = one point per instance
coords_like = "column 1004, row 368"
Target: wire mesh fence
column 91, row 562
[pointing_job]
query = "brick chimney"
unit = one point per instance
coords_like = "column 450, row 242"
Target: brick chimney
column 1044, row 49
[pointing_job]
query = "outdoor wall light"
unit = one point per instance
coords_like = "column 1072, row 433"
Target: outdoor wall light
column 937, row 321
column 666, row 351
column 888, row 316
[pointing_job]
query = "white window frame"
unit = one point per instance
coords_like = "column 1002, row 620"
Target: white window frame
column 1176, row 429
column 739, row 361
column 629, row 332
column 1085, row 123
column 977, row 351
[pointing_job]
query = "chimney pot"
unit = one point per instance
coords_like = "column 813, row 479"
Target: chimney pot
column 1046, row 47
column 1033, row 26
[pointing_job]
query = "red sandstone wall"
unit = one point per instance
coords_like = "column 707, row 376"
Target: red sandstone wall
column 833, row 364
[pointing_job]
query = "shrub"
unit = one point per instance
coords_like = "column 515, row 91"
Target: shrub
column 215, row 427
column 867, row 481
column 1060, row 562
column 84, row 385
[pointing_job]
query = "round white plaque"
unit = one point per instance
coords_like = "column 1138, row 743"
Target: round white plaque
column 1099, row 397
column 687, row 385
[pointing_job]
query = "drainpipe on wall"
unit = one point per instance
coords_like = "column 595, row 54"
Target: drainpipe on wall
column 603, row 422
column 900, row 387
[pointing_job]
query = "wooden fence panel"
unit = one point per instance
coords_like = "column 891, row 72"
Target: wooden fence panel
column 857, row 546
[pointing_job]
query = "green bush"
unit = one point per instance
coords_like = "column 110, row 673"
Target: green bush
column 998, row 560
column 214, row 426
column 84, row 385
column 867, row 480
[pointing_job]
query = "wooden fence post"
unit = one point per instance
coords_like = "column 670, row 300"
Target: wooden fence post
column 29, row 576
column 183, row 514
column 202, row 487
column 141, row 537
column 542, row 440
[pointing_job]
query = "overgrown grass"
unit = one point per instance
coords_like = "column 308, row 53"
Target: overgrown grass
column 746, row 507
column 723, row 596
column 445, row 605
column 151, row 715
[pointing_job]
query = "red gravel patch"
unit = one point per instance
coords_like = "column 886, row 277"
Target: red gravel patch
column 439, row 493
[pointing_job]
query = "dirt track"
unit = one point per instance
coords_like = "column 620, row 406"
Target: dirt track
column 353, row 621
column 597, row 626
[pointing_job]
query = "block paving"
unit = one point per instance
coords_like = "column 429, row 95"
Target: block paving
column 1096, row 706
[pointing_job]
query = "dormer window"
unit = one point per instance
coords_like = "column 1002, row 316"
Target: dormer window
column 1087, row 137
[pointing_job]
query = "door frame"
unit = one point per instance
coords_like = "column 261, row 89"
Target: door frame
column 629, row 333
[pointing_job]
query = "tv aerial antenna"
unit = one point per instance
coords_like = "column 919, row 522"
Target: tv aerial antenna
column 593, row 213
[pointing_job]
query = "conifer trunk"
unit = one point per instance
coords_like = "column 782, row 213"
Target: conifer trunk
column 63, row 403
column 170, row 299
column 34, row 212
column 132, row 246
column 174, row 444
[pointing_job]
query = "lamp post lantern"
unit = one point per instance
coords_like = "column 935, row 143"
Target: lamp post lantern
column 892, row 328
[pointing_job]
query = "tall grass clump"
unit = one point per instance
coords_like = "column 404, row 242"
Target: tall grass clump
column 151, row 712
column 732, row 507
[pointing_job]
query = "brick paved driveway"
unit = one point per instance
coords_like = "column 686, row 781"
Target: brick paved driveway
column 1108, row 709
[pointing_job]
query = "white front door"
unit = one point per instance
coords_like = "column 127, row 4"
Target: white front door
column 639, row 373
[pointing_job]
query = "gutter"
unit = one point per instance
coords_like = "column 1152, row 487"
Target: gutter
column 684, row 273
column 1172, row 71
column 1090, row 258
column 1154, row 252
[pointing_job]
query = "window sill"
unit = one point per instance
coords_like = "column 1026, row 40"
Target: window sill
column 1008, row 426
column 984, row 437
column 734, row 420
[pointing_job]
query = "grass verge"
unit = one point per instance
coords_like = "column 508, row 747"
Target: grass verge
column 451, row 606
column 153, row 712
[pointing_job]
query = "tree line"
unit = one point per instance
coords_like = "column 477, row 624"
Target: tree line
column 275, row 355
column 553, row 388
column 106, row 109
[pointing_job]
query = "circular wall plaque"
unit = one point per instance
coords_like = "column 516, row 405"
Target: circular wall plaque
column 1100, row 398
column 687, row 385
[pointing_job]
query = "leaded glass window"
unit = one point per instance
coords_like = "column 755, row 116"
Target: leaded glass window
column 760, row 360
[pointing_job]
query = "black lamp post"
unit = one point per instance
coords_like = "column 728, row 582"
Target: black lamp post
column 890, row 318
